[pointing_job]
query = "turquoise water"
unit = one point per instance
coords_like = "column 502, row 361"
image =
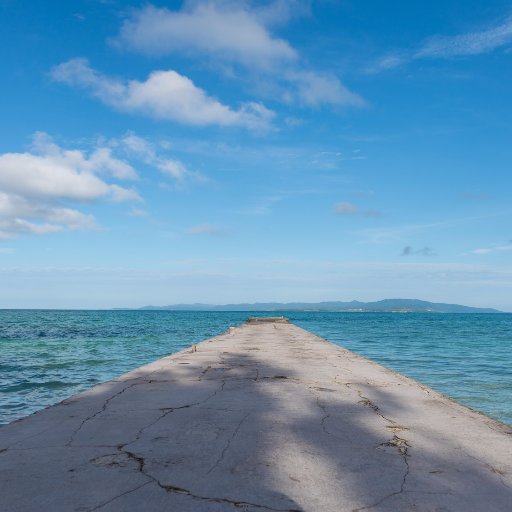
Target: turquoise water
column 46, row 356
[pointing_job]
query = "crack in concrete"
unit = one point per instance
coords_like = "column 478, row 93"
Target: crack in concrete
column 10, row 447
column 403, row 452
column 58, row 446
column 228, row 444
column 204, row 372
column 69, row 401
column 325, row 418
column 119, row 496
column 235, row 503
column 180, row 490
column 141, row 463
column 103, row 409
column 397, row 442
column 434, row 493
column 368, row 403
column 326, row 415
column 167, row 411
column 500, row 474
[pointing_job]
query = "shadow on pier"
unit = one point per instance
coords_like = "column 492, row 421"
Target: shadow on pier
column 239, row 434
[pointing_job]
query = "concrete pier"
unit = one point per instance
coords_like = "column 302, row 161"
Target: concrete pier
column 267, row 417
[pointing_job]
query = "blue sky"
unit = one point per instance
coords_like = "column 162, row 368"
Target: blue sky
column 158, row 153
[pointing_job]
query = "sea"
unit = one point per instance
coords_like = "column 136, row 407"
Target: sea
column 46, row 356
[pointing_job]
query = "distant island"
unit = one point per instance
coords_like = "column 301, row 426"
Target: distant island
column 381, row 306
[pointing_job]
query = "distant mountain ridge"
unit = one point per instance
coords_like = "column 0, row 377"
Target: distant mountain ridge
column 386, row 305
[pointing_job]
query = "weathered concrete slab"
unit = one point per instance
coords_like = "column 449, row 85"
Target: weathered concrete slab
column 265, row 417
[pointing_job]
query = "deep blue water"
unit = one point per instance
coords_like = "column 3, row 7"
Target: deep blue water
column 46, row 356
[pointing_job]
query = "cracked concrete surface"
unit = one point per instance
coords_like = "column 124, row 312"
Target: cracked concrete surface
column 267, row 417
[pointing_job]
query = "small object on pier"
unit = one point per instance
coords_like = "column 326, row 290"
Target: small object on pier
column 268, row 320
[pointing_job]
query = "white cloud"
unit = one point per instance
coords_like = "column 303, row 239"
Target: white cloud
column 35, row 185
column 237, row 34
column 21, row 215
column 230, row 31
column 173, row 168
column 164, row 95
column 120, row 194
column 206, row 229
column 102, row 159
column 350, row 209
column 12, row 227
column 139, row 146
column 279, row 12
column 314, row 89
column 52, row 172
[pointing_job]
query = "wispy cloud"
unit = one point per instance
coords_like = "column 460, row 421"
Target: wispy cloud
column 263, row 207
column 138, row 212
column 163, row 95
column 470, row 43
column 399, row 232
column 494, row 248
column 206, row 229
column 149, row 152
column 476, row 42
column 350, row 209
column 37, row 185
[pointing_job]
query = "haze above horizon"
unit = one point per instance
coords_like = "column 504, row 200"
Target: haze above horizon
column 235, row 152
